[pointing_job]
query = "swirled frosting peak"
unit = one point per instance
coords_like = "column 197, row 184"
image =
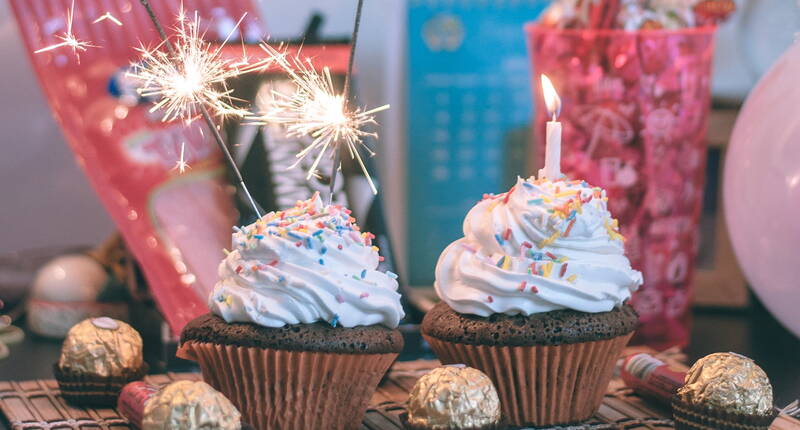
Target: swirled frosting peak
column 542, row 246
column 306, row 264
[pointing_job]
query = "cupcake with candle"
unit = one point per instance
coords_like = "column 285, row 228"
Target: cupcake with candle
column 302, row 325
column 534, row 295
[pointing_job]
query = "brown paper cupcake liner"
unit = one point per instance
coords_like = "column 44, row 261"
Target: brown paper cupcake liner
column 691, row 417
column 291, row 390
column 542, row 385
column 80, row 388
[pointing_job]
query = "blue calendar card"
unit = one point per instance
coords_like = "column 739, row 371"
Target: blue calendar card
column 469, row 108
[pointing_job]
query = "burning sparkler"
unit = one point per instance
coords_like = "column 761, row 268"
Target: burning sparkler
column 68, row 38
column 190, row 75
column 107, row 16
column 315, row 109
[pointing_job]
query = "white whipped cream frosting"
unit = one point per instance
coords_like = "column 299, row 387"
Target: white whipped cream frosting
column 542, row 246
column 306, row 264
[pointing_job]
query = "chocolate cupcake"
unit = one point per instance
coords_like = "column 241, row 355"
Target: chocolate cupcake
column 99, row 356
column 535, row 296
column 303, row 325
column 724, row 391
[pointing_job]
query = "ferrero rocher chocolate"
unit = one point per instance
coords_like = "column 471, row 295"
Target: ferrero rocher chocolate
column 190, row 405
column 729, row 382
column 101, row 346
column 453, row 397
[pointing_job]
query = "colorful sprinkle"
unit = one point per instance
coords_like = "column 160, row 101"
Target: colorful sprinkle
column 469, row 248
column 339, row 246
column 534, row 289
column 391, row 274
column 527, row 244
column 569, row 228
column 298, row 243
column 363, row 295
column 321, row 262
column 549, row 240
column 363, row 273
column 548, row 268
column 535, row 201
column 550, row 255
column 498, row 239
column 239, row 269
column 507, row 234
column 572, row 278
column 339, row 298
column 323, row 250
column 490, row 299
column 522, row 286
column 273, row 263
column 563, row 270
column 335, row 320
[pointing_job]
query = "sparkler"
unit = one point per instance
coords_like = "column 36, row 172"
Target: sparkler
column 315, row 109
column 190, row 78
column 68, row 38
column 181, row 165
column 187, row 75
column 107, row 16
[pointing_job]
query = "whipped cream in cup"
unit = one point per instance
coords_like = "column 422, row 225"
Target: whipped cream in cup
column 306, row 264
column 542, row 246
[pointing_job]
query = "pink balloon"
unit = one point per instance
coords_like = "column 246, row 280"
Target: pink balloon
column 762, row 189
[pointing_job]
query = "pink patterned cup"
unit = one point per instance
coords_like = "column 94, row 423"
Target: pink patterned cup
column 635, row 113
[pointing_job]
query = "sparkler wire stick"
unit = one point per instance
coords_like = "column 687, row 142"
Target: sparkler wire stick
column 337, row 156
column 203, row 111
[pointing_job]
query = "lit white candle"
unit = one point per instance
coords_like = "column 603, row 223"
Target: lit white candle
column 552, row 155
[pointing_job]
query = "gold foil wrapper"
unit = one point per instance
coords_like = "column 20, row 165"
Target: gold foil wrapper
column 101, row 346
column 454, row 397
column 730, row 382
column 190, row 405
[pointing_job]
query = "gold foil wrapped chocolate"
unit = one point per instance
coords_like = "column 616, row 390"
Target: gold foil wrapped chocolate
column 101, row 346
column 730, row 382
column 454, row 397
column 190, row 405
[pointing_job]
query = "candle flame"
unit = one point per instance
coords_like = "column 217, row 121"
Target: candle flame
column 551, row 99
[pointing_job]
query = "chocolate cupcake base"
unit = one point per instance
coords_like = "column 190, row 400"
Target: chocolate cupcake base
column 79, row 388
column 296, row 377
column 692, row 417
column 291, row 390
column 549, row 369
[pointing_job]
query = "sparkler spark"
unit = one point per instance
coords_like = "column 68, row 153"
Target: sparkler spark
column 68, row 38
column 193, row 74
column 107, row 16
column 316, row 110
column 181, row 165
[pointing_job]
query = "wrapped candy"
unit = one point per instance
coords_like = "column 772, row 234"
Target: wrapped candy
column 724, row 391
column 181, row 405
column 453, row 398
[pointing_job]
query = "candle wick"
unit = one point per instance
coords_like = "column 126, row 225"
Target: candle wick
column 554, row 116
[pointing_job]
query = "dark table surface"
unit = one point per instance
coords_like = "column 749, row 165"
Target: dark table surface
column 752, row 332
